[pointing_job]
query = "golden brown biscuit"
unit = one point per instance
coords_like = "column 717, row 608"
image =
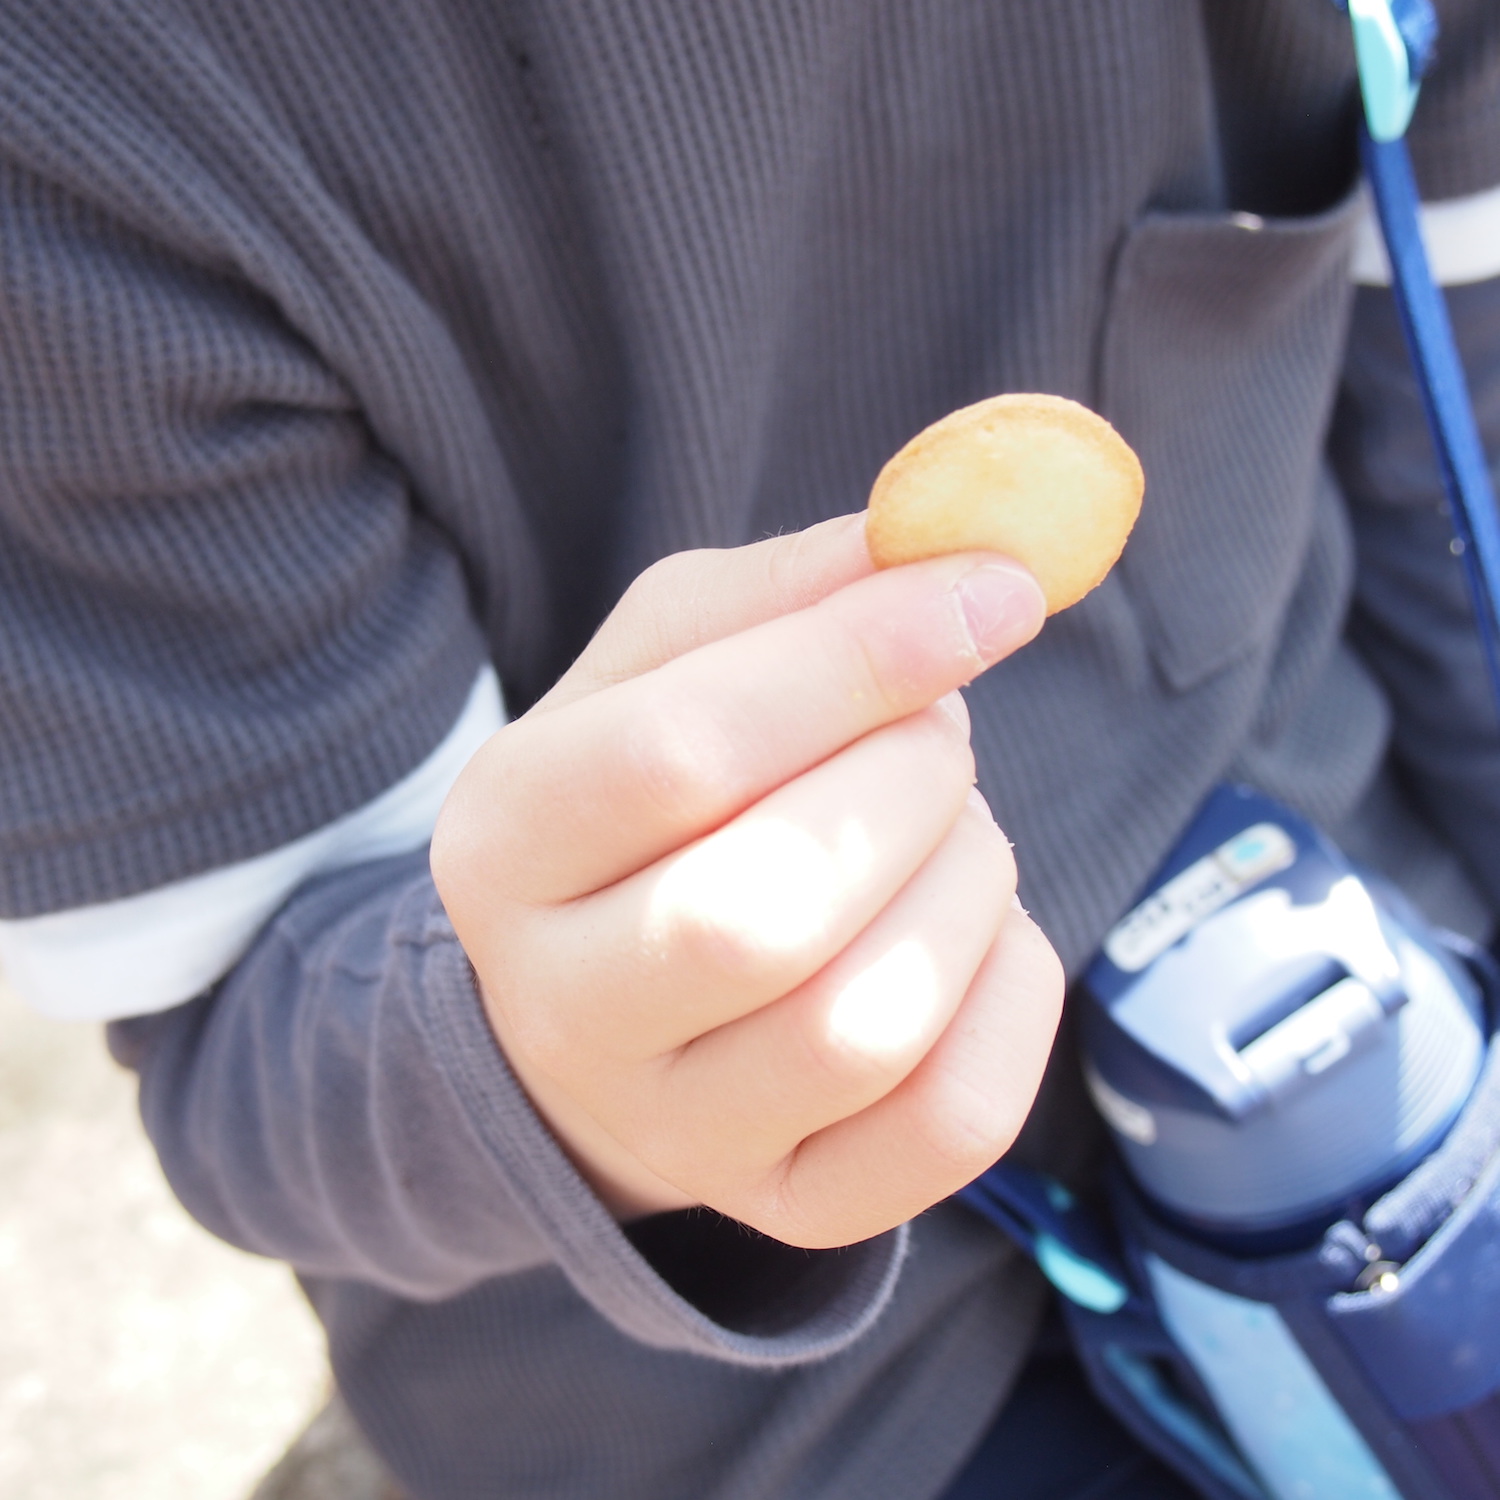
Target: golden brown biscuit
column 1039, row 478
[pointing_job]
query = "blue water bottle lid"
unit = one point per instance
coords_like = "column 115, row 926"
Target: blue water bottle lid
column 1269, row 1034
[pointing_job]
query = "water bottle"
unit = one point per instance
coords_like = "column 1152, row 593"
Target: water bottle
column 1274, row 1039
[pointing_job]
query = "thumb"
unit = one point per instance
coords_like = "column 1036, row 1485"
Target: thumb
column 690, row 599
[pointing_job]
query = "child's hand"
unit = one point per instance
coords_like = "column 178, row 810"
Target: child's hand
column 743, row 929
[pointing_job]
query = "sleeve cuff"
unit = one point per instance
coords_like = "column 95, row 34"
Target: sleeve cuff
column 803, row 1318
column 157, row 949
column 1461, row 236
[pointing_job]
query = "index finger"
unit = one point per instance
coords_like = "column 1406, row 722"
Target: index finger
column 610, row 783
column 691, row 598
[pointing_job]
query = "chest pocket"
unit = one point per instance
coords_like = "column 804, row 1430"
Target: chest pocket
column 1219, row 362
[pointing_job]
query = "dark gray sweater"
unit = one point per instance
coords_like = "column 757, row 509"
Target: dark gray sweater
column 345, row 345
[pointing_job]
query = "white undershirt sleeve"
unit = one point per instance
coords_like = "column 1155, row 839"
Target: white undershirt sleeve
column 152, row 951
column 1462, row 236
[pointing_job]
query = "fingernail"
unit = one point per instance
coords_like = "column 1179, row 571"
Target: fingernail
column 1003, row 608
column 953, row 707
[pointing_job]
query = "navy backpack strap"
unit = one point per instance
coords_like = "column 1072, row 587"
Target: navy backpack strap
column 1048, row 1222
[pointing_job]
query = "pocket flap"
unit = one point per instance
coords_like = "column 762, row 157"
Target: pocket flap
column 1218, row 364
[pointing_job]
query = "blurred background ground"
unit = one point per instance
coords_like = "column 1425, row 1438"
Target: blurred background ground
column 140, row 1359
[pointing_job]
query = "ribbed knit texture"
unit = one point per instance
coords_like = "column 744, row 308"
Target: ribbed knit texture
column 342, row 344
column 321, row 323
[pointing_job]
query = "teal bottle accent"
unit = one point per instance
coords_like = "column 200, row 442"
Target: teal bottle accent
column 1385, row 72
column 1059, row 1197
column 1079, row 1280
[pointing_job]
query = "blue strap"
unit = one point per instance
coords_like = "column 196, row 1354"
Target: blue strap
column 1045, row 1219
column 1440, row 376
column 1422, row 310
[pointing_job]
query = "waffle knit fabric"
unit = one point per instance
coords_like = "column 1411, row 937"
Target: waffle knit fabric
column 344, row 346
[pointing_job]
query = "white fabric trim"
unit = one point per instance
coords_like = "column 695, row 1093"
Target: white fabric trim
column 1462, row 236
column 149, row 952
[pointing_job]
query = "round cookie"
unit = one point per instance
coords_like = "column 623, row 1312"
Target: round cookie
column 1039, row 478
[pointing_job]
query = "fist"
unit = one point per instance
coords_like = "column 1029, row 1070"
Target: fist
column 742, row 925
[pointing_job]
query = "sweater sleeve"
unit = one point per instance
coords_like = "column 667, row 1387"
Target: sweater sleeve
column 228, row 620
column 245, row 469
column 1413, row 620
column 339, row 1102
column 238, row 454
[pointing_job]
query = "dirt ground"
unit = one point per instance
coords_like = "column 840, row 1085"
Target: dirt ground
column 140, row 1359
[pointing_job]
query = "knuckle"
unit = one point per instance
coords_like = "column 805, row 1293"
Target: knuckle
column 445, row 857
column 923, row 755
column 838, row 1070
column 941, row 741
column 891, row 658
column 536, row 1023
column 1041, row 970
column 793, row 576
column 457, row 861
column 784, row 563
column 479, row 824
column 870, row 672
column 1054, row 979
column 721, row 950
column 542, row 1036
column 1002, row 857
column 663, row 579
column 676, row 760
column 663, row 1150
column 973, row 1128
column 776, row 1208
column 655, row 604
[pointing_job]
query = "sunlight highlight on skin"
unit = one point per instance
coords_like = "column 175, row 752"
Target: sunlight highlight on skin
column 763, row 881
column 890, row 1005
